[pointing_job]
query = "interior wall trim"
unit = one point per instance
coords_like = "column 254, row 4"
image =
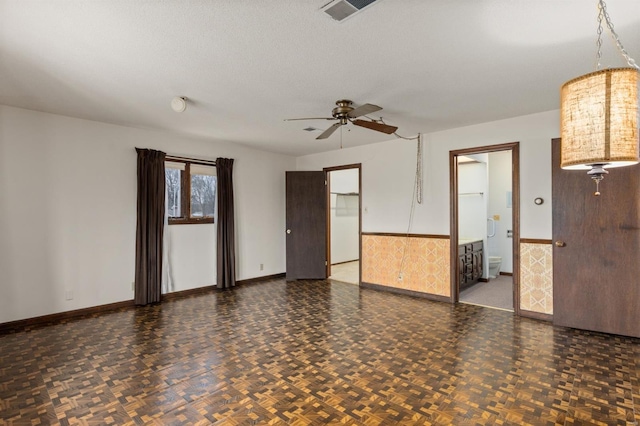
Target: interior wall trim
column 61, row 317
column 535, row 241
column 262, row 278
column 343, row 167
column 346, row 261
column 379, row 287
column 211, row 288
column 536, row 315
column 400, row 234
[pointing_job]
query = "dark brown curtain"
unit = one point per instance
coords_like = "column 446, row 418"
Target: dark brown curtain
column 226, row 229
column 149, row 226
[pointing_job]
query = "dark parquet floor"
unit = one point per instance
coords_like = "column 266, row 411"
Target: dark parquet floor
column 316, row 352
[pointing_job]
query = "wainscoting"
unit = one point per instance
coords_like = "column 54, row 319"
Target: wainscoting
column 536, row 276
column 422, row 260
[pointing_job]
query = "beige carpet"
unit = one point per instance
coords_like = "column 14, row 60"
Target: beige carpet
column 497, row 293
column 348, row 272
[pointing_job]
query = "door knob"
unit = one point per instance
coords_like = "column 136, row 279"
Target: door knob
column 288, row 231
column 560, row 244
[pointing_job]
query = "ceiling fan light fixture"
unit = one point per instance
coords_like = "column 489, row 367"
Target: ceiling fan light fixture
column 599, row 114
column 344, row 113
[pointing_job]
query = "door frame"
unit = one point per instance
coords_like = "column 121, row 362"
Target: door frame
column 328, row 186
column 514, row 147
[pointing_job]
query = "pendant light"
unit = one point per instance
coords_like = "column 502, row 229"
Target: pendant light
column 599, row 114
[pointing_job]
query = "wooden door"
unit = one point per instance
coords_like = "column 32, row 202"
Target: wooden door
column 596, row 274
column 306, row 210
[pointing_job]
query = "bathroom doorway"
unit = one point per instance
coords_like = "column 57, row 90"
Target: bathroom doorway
column 485, row 226
column 343, row 225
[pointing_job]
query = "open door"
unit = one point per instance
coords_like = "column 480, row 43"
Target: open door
column 467, row 255
column 344, row 223
column 595, row 252
column 306, row 210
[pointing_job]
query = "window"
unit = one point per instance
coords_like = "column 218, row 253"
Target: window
column 191, row 192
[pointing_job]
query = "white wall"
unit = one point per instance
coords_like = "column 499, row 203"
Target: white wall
column 472, row 201
column 67, row 201
column 345, row 232
column 473, row 190
column 388, row 171
column 68, row 212
column 500, row 168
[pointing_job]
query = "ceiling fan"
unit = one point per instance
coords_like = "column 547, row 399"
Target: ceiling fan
column 345, row 113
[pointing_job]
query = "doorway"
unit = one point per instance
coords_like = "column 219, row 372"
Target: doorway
column 343, row 223
column 485, row 226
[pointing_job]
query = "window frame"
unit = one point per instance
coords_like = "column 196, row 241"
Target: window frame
column 185, row 196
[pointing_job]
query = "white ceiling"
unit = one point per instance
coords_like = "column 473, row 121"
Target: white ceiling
column 246, row 65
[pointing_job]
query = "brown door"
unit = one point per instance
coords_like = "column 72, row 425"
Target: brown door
column 306, row 225
column 596, row 268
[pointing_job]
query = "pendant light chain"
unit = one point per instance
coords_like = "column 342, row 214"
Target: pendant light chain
column 415, row 197
column 603, row 14
column 419, row 176
column 599, row 40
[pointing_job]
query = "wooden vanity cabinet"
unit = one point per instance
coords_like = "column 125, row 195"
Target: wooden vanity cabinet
column 470, row 263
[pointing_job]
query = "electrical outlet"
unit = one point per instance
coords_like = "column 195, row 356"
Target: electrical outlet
column 509, row 233
column 68, row 295
column 262, row 266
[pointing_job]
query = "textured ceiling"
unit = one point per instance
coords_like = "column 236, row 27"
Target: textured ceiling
column 246, row 65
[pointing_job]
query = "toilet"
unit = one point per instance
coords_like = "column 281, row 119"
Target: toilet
column 494, row 266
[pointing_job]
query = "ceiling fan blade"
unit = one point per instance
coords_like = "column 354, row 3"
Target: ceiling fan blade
column 379, row 127
column 310, row 118
column 364, row 110
column 329, row 131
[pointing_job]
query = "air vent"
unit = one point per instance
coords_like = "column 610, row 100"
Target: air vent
column 360, row 4
column 342, row 9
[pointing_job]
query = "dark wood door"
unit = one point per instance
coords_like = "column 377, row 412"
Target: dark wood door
column 596, row 274
column 306, row 225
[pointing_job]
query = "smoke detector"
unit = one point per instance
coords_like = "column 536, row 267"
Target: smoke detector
column 340, row 10
column 179, row 103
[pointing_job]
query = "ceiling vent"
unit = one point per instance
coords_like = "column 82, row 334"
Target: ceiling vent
column 342, row 9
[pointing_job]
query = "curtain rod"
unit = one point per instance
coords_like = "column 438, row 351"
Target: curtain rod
column 191, row 160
